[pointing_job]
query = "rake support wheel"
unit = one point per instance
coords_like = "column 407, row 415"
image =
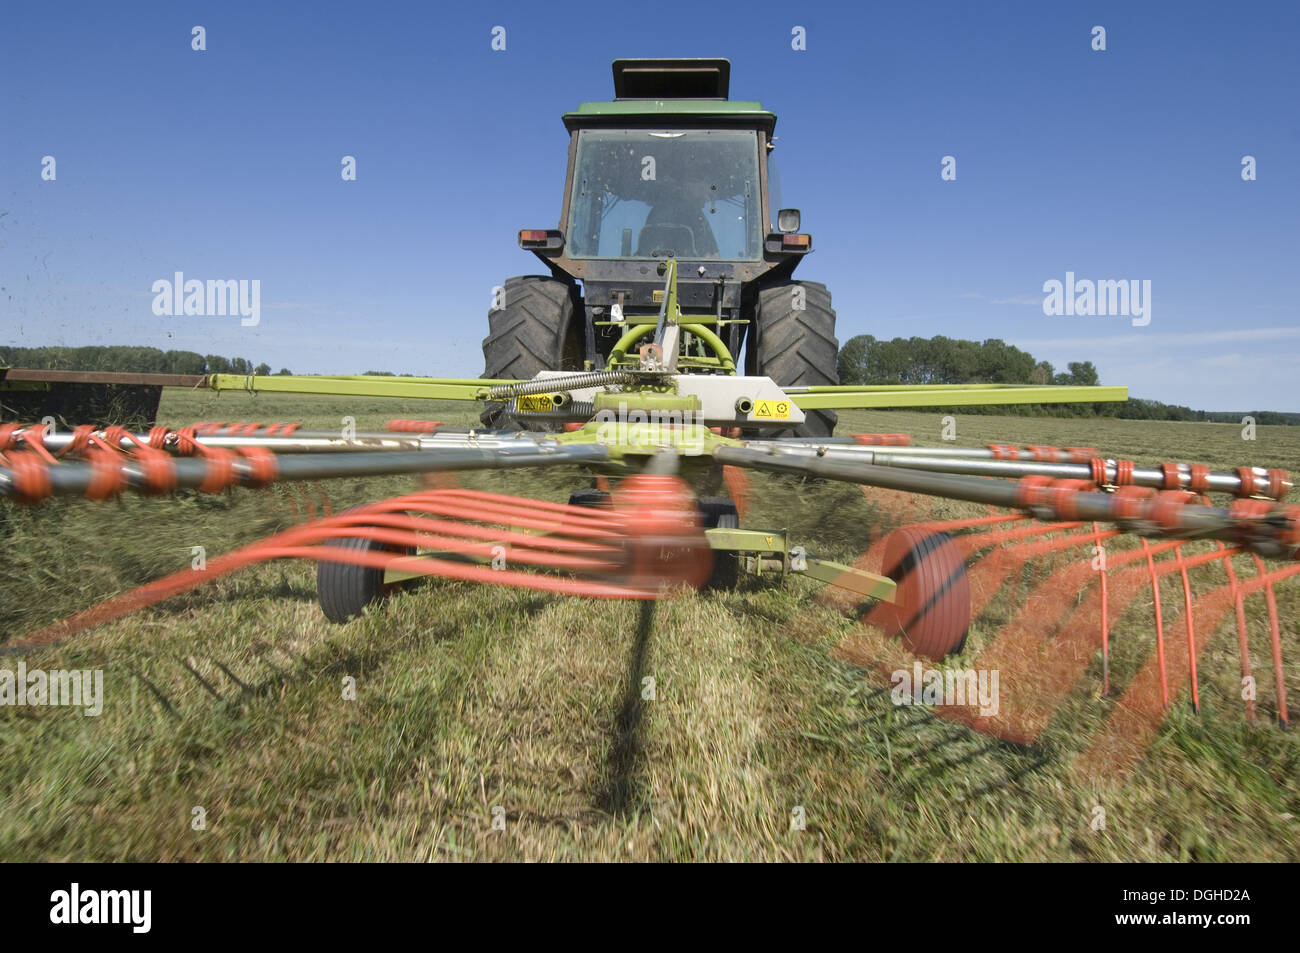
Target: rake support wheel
column 719, row 512
column 932, row 607
column 344, row 590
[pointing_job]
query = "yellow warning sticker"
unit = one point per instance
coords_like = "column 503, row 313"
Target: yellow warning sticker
column 771, row 410
column 535, row 404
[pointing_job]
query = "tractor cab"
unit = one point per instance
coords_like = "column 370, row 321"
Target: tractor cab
column 691, row 192
column 687, row 193
column 670, row 169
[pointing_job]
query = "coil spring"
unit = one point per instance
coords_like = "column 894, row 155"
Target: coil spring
column 573, row 410
column 559, row 384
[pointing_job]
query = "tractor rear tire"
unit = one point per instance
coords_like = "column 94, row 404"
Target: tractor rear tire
column 796, row 346
column 344, row 590
column 931, row 609
column 533, row 331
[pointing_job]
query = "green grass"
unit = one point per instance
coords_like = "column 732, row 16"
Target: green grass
column 475, row 698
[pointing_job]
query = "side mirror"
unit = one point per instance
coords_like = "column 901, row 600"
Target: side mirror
column 787, row 220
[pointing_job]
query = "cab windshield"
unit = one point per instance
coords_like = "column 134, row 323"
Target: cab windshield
column 691, row 194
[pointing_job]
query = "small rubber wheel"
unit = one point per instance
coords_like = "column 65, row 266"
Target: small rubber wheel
column 931, row 609
column 718, row 512
column 344, row 589
column 590, row 496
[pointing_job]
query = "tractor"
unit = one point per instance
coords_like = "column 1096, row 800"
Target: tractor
column 671, row 169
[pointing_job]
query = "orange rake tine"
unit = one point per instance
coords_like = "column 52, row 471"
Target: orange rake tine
column 1136, row 719
column 1105, row 622
column 606, row 545
column 989, row 574
column 1191, row 636
column 1276, row 636
column 737, row 482
column 1243, row 636
column 1046, row 672
column 1160, row 625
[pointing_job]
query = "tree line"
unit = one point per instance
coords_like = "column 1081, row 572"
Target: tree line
column 862, row 360
column 137, row 360
column 941, row 360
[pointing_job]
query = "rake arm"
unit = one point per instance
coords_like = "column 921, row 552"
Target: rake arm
column 1267, row 530
column 32, row 480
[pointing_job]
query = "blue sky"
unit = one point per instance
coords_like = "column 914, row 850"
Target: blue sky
column 1123, row 164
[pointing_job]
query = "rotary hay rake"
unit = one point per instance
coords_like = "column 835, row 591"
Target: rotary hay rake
column 650, row 536
column 662, row 446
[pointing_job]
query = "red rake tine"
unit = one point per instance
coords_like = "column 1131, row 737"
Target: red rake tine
column 1140, row 710
column 1042, row 672
column 1243, row 636
column 1046, row 673
column 1105, row 622
column 899, row 507
column 949, row 526
column 1136, row 718
column 989, row 574
column 1160, row 625
column 325, row 505
column 304, row 492
column 1191, row 636
column 1276, row 636
column 294, row 543
column 737, row 482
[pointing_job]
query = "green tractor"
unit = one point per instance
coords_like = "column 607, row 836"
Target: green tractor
column 670, row 170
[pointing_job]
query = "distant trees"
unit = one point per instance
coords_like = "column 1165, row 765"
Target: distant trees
column 139, row 360
column 938, row 360
column 863, row 359
column 216, row 364
column 1082, row 373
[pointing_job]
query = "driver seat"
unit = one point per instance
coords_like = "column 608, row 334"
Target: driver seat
column 679, row 240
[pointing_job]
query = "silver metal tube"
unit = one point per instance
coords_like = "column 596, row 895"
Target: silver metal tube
column 304, row 441
column 73, row 478
column 951, row 460
column 1196, row 522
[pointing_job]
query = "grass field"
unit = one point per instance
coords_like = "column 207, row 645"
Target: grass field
column 475, row 702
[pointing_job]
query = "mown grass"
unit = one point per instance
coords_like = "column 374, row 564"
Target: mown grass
column 471, row 699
